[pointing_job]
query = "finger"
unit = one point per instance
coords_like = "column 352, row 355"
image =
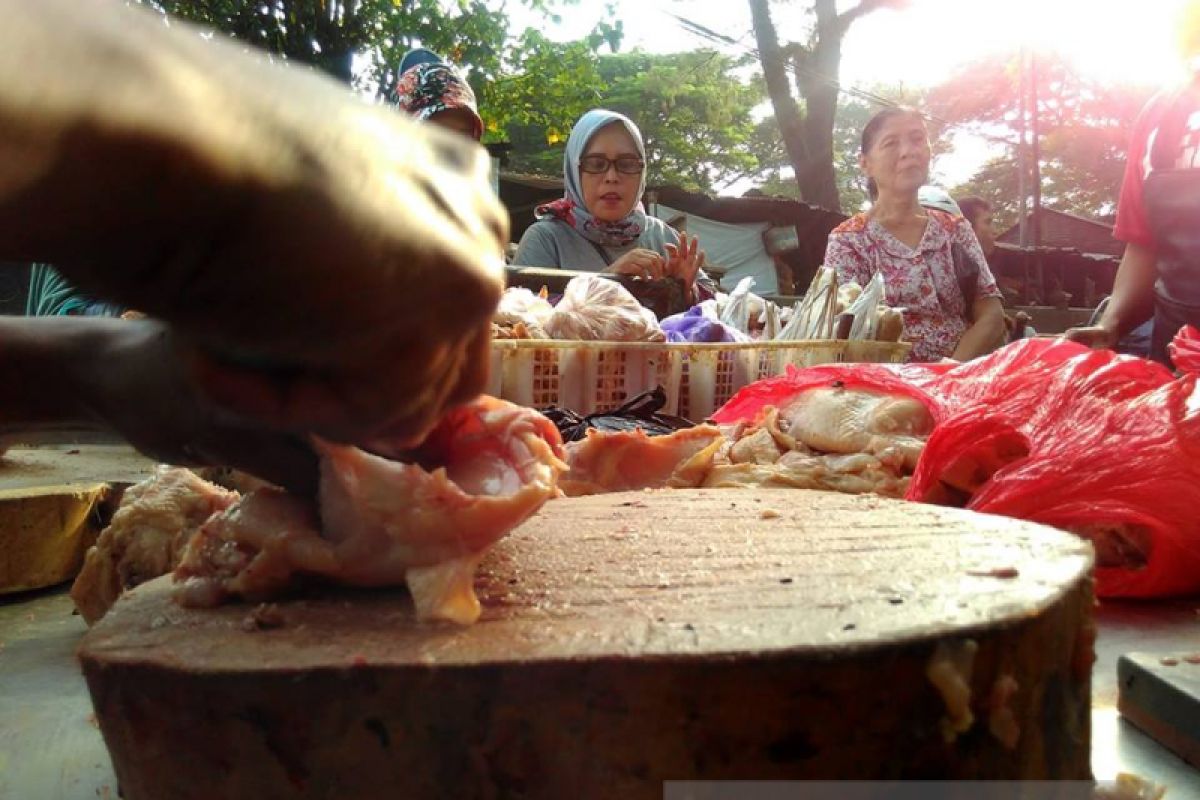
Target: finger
column 658, row 267
column 673, row 252
column 345, row 407
column 283, row 460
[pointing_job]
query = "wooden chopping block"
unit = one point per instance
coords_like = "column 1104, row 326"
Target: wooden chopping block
column 628, row 639
column 50, row 502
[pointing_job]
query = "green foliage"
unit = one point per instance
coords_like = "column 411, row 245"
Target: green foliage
column 693, row 110
column 544, row 88
column 328, row 33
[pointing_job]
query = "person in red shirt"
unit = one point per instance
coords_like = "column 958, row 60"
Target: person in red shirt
column 1157, row 218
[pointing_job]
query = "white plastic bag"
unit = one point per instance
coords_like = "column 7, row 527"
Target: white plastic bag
column 866, row 309
column 736, row 313
column 594, row 308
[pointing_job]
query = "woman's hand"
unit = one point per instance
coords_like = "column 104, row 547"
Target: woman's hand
column 639, row 263
column 685, row 262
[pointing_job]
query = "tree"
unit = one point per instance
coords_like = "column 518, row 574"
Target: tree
column 853, row 112
column 327, row 34
column 1085, row 127
column 544, row 88
column 807, row 132
column 693, row 110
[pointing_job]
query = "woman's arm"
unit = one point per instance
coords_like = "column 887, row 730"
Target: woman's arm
column 987, row 332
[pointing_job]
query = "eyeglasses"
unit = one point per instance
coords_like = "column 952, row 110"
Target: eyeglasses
column 598, row 165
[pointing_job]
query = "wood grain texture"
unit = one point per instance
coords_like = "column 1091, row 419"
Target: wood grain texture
column 50, row 504
column 626, row 639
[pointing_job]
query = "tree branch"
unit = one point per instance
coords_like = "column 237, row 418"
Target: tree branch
column 864, row 7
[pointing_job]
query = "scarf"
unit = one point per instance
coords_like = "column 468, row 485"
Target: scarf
column 571, row 209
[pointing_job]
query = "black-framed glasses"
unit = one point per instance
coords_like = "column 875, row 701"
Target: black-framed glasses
column 598, row 165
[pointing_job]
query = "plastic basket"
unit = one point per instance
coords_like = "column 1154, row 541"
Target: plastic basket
column 698, row 378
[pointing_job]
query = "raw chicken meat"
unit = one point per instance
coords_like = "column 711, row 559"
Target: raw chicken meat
column 859, row 473
column 146, row 537
column 840, row 420
column 829, row 438
column 631, row 460
column 384, row 522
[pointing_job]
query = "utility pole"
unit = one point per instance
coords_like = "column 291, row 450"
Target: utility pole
column 1022, row 175
column 1036, row 158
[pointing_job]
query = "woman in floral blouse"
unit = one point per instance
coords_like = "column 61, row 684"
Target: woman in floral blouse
column 916, row 248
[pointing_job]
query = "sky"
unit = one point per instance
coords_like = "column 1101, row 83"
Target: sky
column 1129, row 41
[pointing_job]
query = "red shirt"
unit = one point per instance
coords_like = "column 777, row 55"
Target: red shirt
column 1133, row 225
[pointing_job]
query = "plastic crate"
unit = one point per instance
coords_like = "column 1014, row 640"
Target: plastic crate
column 698, row 378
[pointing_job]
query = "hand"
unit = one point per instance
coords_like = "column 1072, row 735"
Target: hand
column 639, row 263
column 1097, row 337
column 130, row 378
column 327, row 265
column 685, row 261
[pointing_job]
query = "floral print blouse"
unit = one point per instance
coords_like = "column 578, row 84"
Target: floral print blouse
column 920, row 281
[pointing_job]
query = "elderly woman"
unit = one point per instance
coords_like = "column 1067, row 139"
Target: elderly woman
column 431, row 90
column 600, row 225
column 930, row 260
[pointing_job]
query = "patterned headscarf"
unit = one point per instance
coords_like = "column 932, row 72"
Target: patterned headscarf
column 426, row 89
column 571, row 210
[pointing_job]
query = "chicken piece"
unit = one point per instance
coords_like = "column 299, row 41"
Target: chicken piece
column 484, row 470
column 631, row 460
column 849, row 474
column 839, row 420
column 758, row 447
column 146, row 537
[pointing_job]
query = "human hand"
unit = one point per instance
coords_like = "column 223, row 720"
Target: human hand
column 685, row 261
column 639, row 263
column 130, row 378
column 1097, row 337
column 328, row 266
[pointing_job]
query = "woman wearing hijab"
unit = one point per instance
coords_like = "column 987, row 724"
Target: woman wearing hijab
column 600, row 225
column 931, row 262
column 431, row 90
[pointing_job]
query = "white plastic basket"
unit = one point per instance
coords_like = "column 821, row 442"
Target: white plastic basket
column 698, row 378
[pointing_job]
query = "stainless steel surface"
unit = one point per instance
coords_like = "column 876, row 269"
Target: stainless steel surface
column 50, row 748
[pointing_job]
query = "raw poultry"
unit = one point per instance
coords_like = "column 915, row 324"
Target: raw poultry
column 485, row 468
column 847, row 440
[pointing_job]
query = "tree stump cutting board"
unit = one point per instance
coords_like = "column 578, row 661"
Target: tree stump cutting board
column 51, row 500
column 626, row 640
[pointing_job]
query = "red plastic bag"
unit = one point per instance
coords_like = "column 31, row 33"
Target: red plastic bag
column 1046, row 430
column 1185, row 350
column 903, row 379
